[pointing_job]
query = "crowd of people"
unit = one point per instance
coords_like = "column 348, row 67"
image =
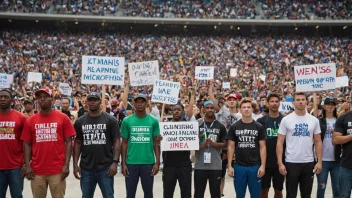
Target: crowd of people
column 224, row 9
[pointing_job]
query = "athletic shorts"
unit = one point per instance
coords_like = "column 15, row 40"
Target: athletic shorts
column 273, row 174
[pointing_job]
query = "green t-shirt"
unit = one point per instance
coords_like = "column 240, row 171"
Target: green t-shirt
column 140, row 133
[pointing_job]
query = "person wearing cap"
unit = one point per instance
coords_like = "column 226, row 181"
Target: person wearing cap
column 12, row 168
column 331, row 153
column 246, row 139
column 47, row 138
column 97, row 146
column 140, row 149
column 28, row 108
column 208, row 158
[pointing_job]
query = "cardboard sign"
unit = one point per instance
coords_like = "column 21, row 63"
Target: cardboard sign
column 143, row 73
column 204, row 73
column 226, row 85
column 103, row 70
column 165, row 91
column 34, row 77
column 315, row 77
column 342, row 81
column 286, row 107
column 233, row 72
column 65, row 89
column 179, row 136
column 6, row 80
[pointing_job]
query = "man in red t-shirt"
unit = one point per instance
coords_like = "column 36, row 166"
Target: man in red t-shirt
column 11, row 147
column 47, row 139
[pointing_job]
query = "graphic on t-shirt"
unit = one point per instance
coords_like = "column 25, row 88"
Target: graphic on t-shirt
column 230, row 120
column 246, row 138
column 140, row 134
column 272, row 132
column 94, row 134
column 209, row 133
column 301, row 130
column 7, row 130
column 349, row 124
column 329, row 130
column 46, row 132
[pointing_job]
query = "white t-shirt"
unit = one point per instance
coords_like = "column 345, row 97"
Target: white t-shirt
column 328, row 148
column 299, row 132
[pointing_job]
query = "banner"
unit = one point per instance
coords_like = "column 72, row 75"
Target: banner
column 178, row 136
column 226, row 85
column 34, row 77
column 165, row 91
column 103, row 70
column 65, row 89
column 204, row 73
column 342, row 81
column 315, row 77
column 233, row 72
column 6, row 80
column 143, row 73
column 286, row 107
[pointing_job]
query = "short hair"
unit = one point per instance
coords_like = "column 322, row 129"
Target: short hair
column 273, row 95
column 7, row 91
column 178, row 104
column 299, row 94
column 247, row 100
column 261, row 97
column 66, row 98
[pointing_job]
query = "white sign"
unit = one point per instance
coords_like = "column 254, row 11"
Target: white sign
column 165, row 91
column 262, row 77
column 143, row 73
column 342, row 81
column 233, row 72
column 179, row 136
column 286, row 107
column 103, row 70
column 204, row 73
column 226, row 85
column 34, row 77
column 315, row 77
column 6, row 80
column 65, row 89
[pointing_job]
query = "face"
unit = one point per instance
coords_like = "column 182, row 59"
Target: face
column 45, row 101
column 246, row 110
column 28, row 107
column 140, row 105
column 300, row 102
column 177, row 112
column 209, row 110
column 330, row 107
column 93, row 104
column 65, row 104
column 274, row 104
column 84, row 99
column 5, row 100
column 231, row 102
column 263, row 101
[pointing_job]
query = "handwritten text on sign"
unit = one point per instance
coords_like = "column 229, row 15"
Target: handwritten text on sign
column 165, row 92
column 204, row 73
column 5, row 80
column 315, row 77
column 179, row 136
column 286, row 107
column 143, row 73
column 103, row 70
column 65, row 89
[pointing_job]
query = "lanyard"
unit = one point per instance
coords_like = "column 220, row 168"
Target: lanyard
column 207, row 129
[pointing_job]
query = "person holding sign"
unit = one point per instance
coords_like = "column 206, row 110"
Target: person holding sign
column 140, row 149
column 208, row 158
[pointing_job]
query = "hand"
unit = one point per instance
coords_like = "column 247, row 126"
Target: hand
column 261, row 171
column 209, row 142
column 77, row 172
column 230, row 171
column 317, row 168
column 23, row 170
column 125, row 170
column 29, row 173
column 65, row 171
column 112, row 170
column 282, row 170
column 155, row 169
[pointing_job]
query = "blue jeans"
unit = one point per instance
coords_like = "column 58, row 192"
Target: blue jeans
column 144, row 171
column 247, row 175
column 13, row 179
column 345, row 182
column 90, row 179
column 334, row 169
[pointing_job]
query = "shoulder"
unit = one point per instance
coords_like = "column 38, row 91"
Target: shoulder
column 18, row 114
column 343, row 116
column 261, row 120
column 221, row 125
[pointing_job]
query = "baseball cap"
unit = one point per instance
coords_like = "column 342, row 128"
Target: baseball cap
column 232, row 96
column 141, row 96
column 330, row 100
column 28, row 102
column 209, row 102
column 45, row 90
column 93, row 95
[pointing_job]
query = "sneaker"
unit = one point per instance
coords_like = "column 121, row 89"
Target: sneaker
column 222, row 195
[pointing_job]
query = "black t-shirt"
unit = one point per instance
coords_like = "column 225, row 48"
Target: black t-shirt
column 97, row 135
column 176, row 158
column 344, row 125
column 246, row 137
column 271, row 126
column 81, row 112
column 68, row 113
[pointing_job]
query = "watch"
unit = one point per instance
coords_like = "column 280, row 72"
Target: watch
column 115, row 161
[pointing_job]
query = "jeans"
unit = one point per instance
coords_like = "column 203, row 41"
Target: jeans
column 13, row 179
column 144, row 171
column 345, row 182
column 334, row 169
column 90, row 179
column 247, row 175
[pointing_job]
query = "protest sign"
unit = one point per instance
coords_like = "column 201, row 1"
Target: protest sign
column 262, row 77
column 65, row 89
column 204, row 73
column 315, row 77
column 6, row 80
column 143, row 73
column 103, row 70
column 286, row 107
column 226, row 85
column 165, row 91
column 34, row 77
column 342, row 81
column 178, row 136
column 233, row 72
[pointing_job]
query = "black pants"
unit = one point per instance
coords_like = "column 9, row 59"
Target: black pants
column 184, row 176
column 201, row 178
column 302, row 174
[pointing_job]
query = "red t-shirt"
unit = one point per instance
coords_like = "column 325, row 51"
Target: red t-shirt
column 47, row 134
column 11, row 145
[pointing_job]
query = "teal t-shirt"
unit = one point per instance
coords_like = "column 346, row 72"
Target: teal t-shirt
column 140, row 133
